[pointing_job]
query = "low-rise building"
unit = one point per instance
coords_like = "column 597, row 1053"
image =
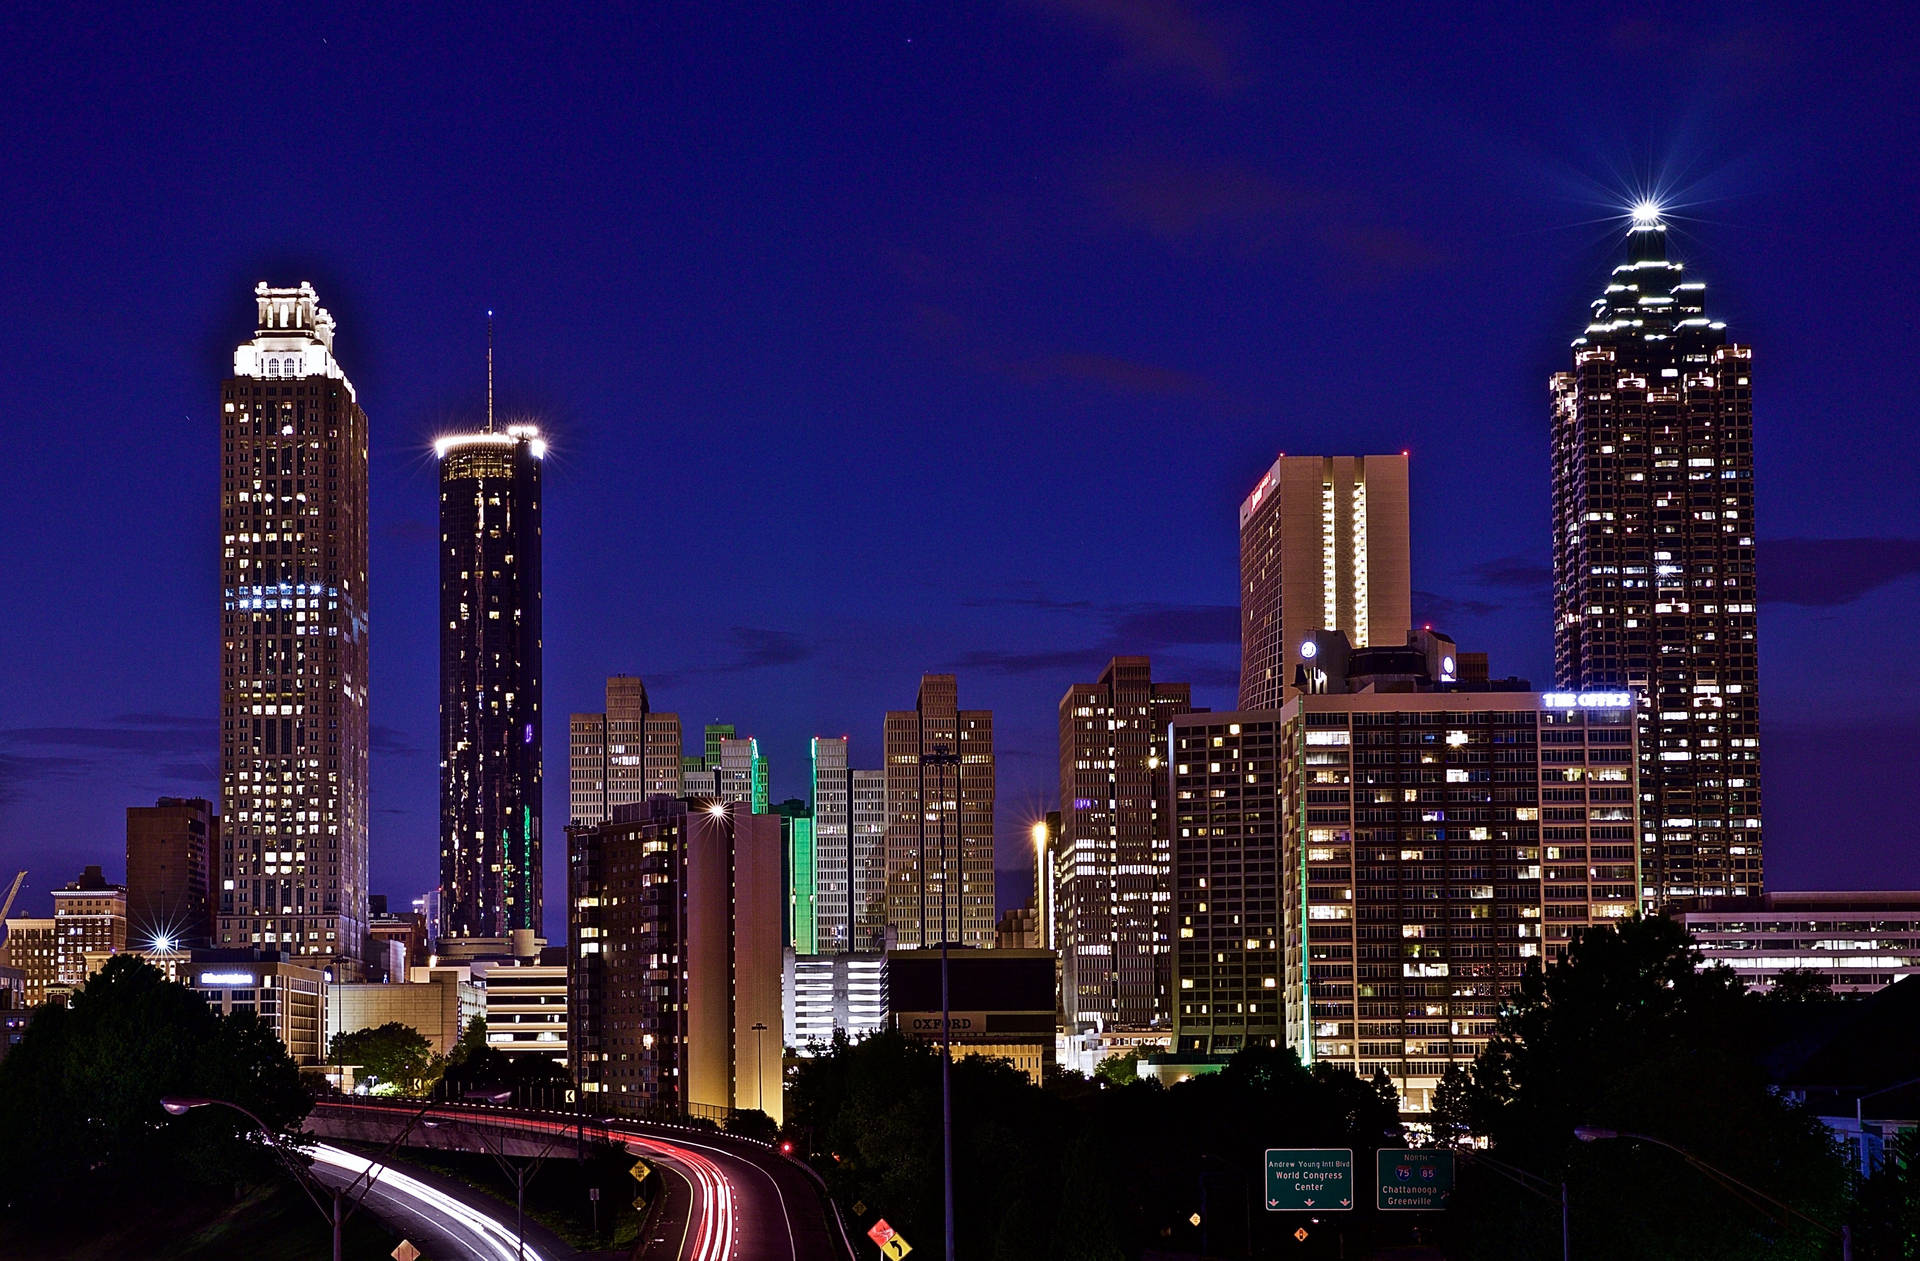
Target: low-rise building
column 89, row 917
column 290, row 997
column 30, row 948
column 436, row 1006
column 1000, row 1002
column 1859, row 942
column 822, row 995
column 525, row 1006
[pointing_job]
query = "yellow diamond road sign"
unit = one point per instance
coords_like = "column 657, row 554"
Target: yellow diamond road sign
column 1301, row 1234
column 406, row 1252
column 895, row 1247
column 640, row 1170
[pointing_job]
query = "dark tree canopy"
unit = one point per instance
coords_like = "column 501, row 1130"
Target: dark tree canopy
column 80, row 1095
column 392, row 1054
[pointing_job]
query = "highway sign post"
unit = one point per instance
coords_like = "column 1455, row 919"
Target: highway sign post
column 1309, row 1179
column 1414, row 1181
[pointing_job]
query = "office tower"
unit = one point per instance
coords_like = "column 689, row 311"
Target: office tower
column 621, row 756
column 1113, row 908
column 170, row 848
column 490, row 719
column 1050, row 872
column 429, row 908
column 89, row 918
column 1653, row 580
column 849, row 825
column 867, row 860
column 715, row 733
column 1323, row 545
column 741, row 772
column 1364, row 873
column 674, row 912
column 293, row 676
column 1859, row 941
column 939, row 839
column 801, row 875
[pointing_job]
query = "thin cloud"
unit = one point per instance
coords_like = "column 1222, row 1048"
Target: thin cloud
column 1430, row 606
column 1514, row 573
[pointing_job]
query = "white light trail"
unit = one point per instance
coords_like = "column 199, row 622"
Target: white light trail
column 494, row 1236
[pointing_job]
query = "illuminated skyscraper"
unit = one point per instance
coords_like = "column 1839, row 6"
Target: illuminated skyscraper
column 490, row 719
column 939, row 838
column 1114, row 911
column 293, row 675
column 1653, row 560
column 1323, row 546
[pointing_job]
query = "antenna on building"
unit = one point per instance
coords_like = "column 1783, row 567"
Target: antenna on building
column 489, row 371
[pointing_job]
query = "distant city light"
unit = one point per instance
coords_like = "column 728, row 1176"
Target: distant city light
column 1646, row 213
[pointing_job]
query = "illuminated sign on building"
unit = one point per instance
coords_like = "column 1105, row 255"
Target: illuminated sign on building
column 226, row 978
column 1587, row 700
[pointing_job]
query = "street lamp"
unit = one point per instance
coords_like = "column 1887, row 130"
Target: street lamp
column 943, row 757
column 759, row 1074
column 1740, row 1190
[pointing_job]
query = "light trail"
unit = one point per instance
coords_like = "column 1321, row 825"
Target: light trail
column 487, row 1236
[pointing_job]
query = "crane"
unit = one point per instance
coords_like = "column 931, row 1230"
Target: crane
column 8, row 904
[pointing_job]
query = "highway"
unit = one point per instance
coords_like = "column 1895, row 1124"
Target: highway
column 440, row 1225
column 726, row 1199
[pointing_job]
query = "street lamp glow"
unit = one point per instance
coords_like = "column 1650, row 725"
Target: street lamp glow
column 1039, row 835
column 1646, row 213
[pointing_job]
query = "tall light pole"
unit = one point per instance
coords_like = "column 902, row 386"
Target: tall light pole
column 180, row 1105
column 759, row 1071
column 1739, row 1189
column 945, row 758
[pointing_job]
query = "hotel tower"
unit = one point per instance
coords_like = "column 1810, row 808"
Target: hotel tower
column 490, row 736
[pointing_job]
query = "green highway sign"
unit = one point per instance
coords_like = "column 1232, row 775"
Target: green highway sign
column 1309, row 1179
column 1414, row 1182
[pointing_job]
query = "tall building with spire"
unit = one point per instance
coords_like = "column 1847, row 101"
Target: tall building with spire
column 1653, row 569
column 490, row 719
column 1324, row 545
column 293, row 677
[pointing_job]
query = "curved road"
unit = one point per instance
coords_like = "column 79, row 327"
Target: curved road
column 727, row 1199
column 440, row 1224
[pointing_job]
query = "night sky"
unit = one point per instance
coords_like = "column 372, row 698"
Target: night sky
column 947, row 341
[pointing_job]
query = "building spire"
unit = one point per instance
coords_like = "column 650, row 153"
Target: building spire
column 489, row 371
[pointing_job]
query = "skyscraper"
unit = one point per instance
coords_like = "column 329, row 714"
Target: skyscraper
column 674, row 910
column 1112, row 908
column 169, row 852
column 293, row 675
column 621, row 756
column 939, row 839
column 849, row 815
column 1365, row 873
column 490, row 720
column 1653, row 561
column 1323, row 546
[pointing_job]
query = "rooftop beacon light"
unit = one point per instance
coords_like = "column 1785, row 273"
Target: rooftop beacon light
column 1646, row 213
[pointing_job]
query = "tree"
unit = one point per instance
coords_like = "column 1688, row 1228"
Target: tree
column 1889, row 1205
column 392, row 1054
column 80, row 1096
column 473, row 1039
column 1626, row 1031
column 1800, row 987
column 1122, row 1068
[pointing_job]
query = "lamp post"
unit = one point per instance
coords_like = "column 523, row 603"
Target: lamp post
column 1860, row 1123
column 1740, row 1190
column 759, row 1073
column 943, row 757
column 336, row 1216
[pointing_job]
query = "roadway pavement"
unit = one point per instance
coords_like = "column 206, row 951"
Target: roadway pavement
column 445, row 1220
column 726, row 1199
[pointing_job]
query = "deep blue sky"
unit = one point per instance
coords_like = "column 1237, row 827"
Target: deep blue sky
column 945, row 340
